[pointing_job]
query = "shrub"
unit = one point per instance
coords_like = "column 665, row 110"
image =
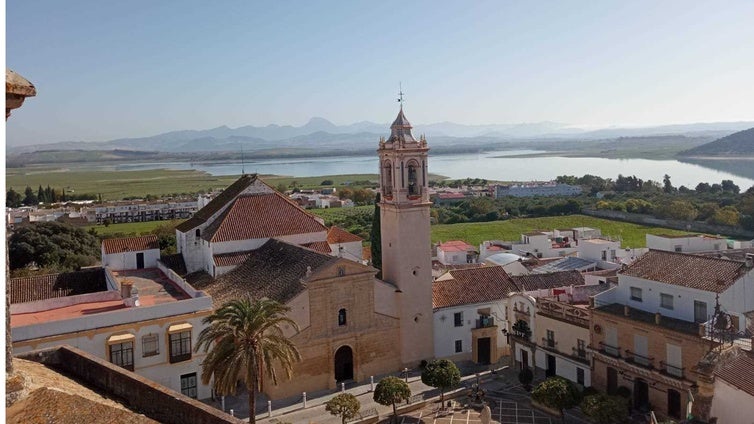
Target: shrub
column 557, row 393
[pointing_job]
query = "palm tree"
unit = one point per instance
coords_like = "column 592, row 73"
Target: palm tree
column 244, row 339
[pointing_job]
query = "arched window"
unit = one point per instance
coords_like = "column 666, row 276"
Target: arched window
column 198, row 233
column 387, row 182
column 413, row 184
column 342, row 317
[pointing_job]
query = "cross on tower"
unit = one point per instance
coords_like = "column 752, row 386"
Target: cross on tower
column 400, row 94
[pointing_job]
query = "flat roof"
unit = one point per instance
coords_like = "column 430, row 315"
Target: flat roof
column 153, row 287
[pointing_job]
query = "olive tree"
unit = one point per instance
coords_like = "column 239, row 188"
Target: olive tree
column 557, row 393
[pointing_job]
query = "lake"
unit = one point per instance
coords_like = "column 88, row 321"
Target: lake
column 491, row 165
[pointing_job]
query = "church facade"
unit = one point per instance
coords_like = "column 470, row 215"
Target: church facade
column 252, row 241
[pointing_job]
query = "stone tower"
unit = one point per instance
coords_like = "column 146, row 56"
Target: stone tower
column 406, row 244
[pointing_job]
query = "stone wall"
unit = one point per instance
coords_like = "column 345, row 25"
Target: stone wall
column 139, row 394
column 696, row 226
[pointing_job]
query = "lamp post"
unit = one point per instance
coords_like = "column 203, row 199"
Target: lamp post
column 405, row 374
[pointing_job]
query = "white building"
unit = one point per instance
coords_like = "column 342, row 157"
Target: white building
column 537, row 189
column 131, row 253
column 686, row 243
column 469, row 314
column 140, row 211
column 345, row 245
column 733, row 401
column 145, row 320
column 455, row 252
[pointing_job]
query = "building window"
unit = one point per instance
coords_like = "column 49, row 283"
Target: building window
column 581, row 348
column 459, row 346
column 341, row 269
column 413, row 187
column 150, row 345
column 700, row 311
column 122, row 354
column 636, row 294
column 342, row 317
column 198, row 233
column 666, row 301
column 180, row 346
column 678, row 248
column 580, row 376
column 188, row 385
column 550, row 342
column 458, row 319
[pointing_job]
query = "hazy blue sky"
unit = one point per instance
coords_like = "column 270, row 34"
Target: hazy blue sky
column 109, row 69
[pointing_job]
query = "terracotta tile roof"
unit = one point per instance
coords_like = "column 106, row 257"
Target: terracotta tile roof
column 739, row 373
column 319, row 246
column 366, row 253
column 231, row 259
column 551, row 280
column 41, row 287
column 474, row 285
column 455, row 246
column 175, row 262
column 230, row 193
column 261, row 215
column 693, row 271
column 275, row 270
column 130, row 244
column 337, row 235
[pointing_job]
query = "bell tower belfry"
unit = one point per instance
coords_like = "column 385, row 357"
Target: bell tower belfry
column 406, row 243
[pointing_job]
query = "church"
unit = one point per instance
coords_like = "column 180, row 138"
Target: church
column 253, row 241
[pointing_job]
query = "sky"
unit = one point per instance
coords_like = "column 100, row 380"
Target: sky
column 114, row 69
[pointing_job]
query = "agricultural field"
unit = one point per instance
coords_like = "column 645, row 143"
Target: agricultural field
column 631, row 235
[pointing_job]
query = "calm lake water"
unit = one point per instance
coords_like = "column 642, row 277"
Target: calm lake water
column 491, row 166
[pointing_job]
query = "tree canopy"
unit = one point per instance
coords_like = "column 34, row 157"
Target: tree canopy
column 344, row 405
column 391, row 390
column 556, row 392
column 52, row 245
column 441, row 374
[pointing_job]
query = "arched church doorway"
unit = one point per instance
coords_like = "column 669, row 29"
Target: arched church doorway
column 344, row 364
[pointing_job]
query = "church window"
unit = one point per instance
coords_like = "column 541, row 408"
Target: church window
column 342, row 317
column 387, row 183
column 198, row 233
column 413, row 184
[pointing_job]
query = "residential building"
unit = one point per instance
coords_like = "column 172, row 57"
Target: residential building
column 686, row 243
column 469, row 314
column 140, row 211
column 733, row 399
column 534, row 189
column 131, row 253
column 456, row 252
column 651, row 332
column 345, row 245
column 145, row 320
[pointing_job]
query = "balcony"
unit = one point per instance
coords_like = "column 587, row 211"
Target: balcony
column 484, row 322
column 671, row 370
column 609, row 350
column 579, row 354
column 549, row 343
column 564, row 312
column 640, row 360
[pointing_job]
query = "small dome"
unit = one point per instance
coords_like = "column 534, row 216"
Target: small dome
column 502, row 259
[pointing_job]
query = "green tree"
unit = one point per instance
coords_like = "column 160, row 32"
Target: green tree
column 525, row 377
column 281, row 188
column 667, row 187
column 605, row 409
column 244, row 340
column 344, row 405
column 326, row 183
column 375, row 237
column 30, row 199
column 557, row 393
column 391, row 390
column 441, row 374
column 13, row 199
column 727, row 215
column 53, row 245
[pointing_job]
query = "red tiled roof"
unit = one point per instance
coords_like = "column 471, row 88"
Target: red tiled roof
column 474, row 285
column 319, row 246
column 693, row 271
column 230, row 259
column 338, row 235
column 456, row 246
column 230, row 193
column 551, row 280
column 261, row 215
column 130, row 244
column 42, row 287
column 366, row 253
column 739, row 372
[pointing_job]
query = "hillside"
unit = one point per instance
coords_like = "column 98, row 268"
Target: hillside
column 740, row 144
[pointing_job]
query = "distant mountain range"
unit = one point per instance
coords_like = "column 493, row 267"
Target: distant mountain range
column 322, row 135
column 740, row 144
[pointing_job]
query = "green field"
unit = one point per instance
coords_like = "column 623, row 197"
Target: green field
column 631, row 235
column 131, row 228
column 116, row 185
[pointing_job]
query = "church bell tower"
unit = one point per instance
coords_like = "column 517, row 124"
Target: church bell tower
column 406, row 243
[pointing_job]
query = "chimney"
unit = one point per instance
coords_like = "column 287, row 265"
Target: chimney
column 308, row 271
column 658, row 317
column 750, row 260
column 626, row 310
column 125, row 289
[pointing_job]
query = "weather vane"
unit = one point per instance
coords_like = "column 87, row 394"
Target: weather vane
column 400, row 94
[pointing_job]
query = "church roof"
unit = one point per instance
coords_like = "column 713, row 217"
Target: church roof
column 338, row 235
column 230, row 193
column 277, row 270
column 400, row 130
column 261, row 215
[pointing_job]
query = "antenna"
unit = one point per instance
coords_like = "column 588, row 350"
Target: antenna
column 243, row 165
column 400, row 93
